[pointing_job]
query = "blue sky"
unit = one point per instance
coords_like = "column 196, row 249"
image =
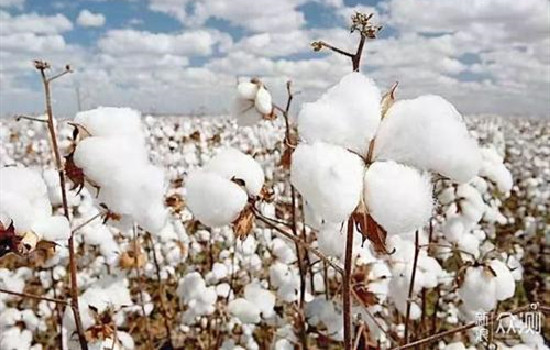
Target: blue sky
column 181, row 55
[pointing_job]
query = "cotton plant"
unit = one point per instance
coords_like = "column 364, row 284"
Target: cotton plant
column 253, row 103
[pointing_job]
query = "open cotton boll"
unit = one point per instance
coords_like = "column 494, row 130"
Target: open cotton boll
column 110, row 121
column 214, row 200
column 320, row 171
column 429, row 133
column 245, row 310
column 23, row 199
column 247, row 90
column 54, row 228
column 504, row 279
column 478, row 290
column 245, row 112
column 346, row 115
column 494, row 169
column 397, row 196
column 263, row 102
column 231, row 163
column 262, row 298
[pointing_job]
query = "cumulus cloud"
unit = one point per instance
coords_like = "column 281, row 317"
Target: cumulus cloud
column 89, row 19
column 12, row 3
column 483, row 55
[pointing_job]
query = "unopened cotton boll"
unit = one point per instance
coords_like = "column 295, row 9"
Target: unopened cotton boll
column 429, row 133
column 397, row 196
column 329, row 178
column 346, row 115
column 214, row 200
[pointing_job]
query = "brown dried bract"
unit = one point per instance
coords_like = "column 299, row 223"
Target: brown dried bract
column 74, row 173
column 244, row 223
column 370, row 230
column 9, row 241
column 176, row 202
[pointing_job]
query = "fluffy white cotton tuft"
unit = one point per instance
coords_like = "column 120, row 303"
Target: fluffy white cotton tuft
column 478, row 290
column 493, row 168
column 111, row 121
column 347, row 114
column 215, row 201
column 397, row 196
column 329, row 178
column 506, row 284
column 54, row 228
column 230, row 163
column 429, row 133
column 114, row 158
column 244, row 310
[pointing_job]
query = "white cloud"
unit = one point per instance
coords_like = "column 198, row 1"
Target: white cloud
column 88, row 19
column 18, row 4
column 257, row 16
column 33, row 23
column 127, row 42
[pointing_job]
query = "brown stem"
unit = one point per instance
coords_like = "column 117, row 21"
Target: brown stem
column 290, row 236
column 467, row 326
column 346, row 289
column 18, row 118
column 162, row 290
column 141, row 287
column 411, row 285
column 300, row 255
column 59, row 165
column 356, row 59
column 36, row 297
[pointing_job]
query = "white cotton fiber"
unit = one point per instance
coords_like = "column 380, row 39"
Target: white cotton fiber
column 111, row 121
column 493, row 168
column 263, row 102
column 231, row 163
column 214, row 200
column 478, row 290
column 252, row 102
column 429, row 133
column 397, row 196
column 244, row 310
column 247, row 90
column 329, row 178
column 53, row 228
column 346, row 115
column 262, row 298
column 506, row 284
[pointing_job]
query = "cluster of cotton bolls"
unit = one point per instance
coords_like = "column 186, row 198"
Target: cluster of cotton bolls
column 112, row 154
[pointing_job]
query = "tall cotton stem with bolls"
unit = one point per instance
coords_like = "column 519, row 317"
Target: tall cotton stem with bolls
column 42, row 66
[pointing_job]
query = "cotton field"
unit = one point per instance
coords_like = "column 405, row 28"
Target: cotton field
column 159, row 264
column 357, row 219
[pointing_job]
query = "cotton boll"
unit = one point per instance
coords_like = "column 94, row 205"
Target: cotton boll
column 505, row 282
column 230, row 163
column 494, row 169
column 263, row 102
column 455, row 346
column 331, row 241
column 214, row 200
column 346, row 115
column 247, row 90
column 478, row 290
column 261, row 298
column 110, row 121
column 320, row 171
column 244, row 310
column 398, row 197
column 54, row 228
column 429, row 133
